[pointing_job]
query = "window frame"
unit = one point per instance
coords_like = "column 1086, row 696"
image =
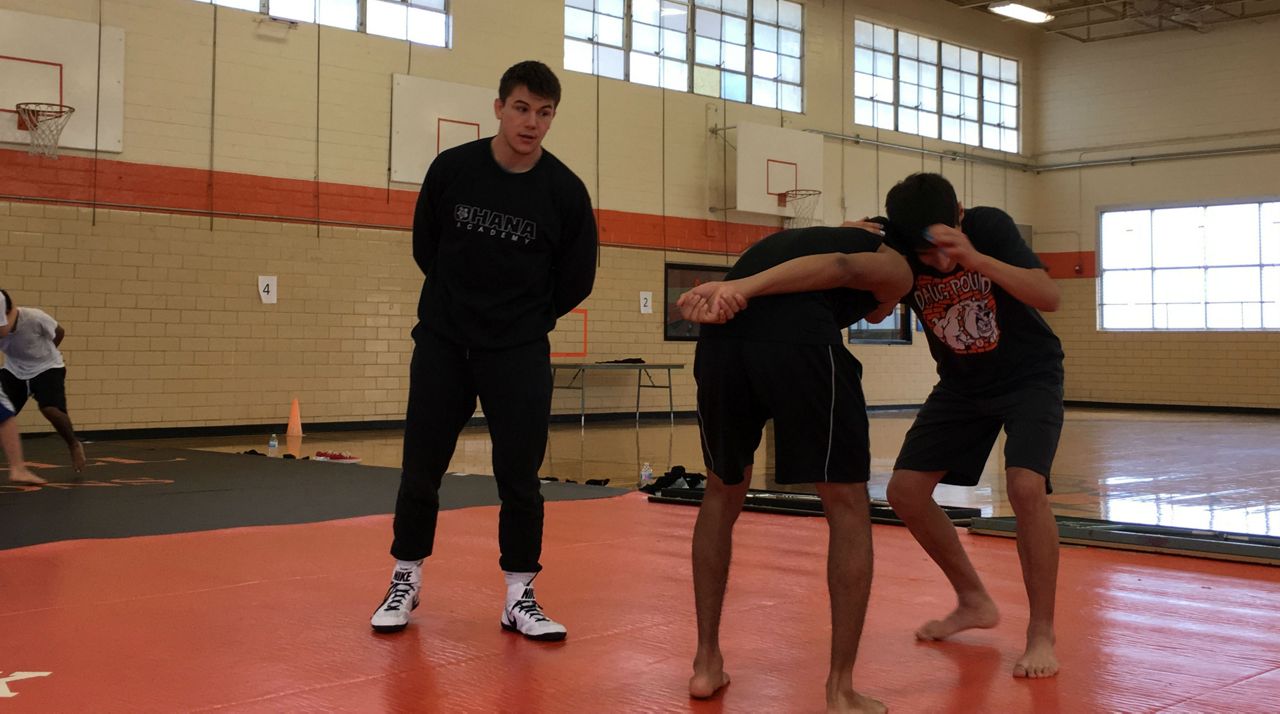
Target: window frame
column 682, row 277
column 956, row 114
column 698, row 75
column 663, row 29
column 597, row 12
column 865, row 333
column 411, row 6
column 1268, row 320
column 362, row 16
column 316, row 17
column 262, row 5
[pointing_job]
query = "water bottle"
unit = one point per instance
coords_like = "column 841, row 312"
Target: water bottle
column 646, row 474
column 273, row 444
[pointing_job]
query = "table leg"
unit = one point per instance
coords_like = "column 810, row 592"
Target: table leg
column 671, row 400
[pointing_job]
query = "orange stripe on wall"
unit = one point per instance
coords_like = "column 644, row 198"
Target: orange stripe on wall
column 170, row 188
column 1065, row 266
column 148, row 187
column 645, row 230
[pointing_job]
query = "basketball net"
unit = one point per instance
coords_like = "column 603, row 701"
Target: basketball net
column 803, row 202
column 43, row 123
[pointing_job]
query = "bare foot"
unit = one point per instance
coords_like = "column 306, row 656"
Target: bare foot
column 20, row 474
column 851, row 701
column 77, row 457
column 972, row 612
column 708, row 678
column 1039, row 660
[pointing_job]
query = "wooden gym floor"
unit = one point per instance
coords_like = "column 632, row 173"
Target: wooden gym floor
column 1182, row 469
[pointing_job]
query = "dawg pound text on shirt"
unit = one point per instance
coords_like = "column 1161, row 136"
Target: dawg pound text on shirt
column 960, row 310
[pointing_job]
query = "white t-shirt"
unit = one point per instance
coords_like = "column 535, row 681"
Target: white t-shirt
column 28, row 348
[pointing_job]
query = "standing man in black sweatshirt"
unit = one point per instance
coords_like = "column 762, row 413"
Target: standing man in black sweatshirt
column 505, row 235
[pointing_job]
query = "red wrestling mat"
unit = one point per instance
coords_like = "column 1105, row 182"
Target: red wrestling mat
column 275, row 619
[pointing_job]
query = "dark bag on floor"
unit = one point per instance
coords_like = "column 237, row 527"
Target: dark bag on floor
column 677, row 477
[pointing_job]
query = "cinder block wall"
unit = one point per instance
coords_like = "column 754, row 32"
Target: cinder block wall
column 225, row 116
column 1169, row 93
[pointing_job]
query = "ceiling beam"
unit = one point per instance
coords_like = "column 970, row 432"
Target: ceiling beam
column 1103, row 13
column 1054, row 27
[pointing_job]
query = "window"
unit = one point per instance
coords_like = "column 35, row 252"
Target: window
column 254, row 5
column 893, row 330
column 423, row 21
column 1191, row 268
column 660, row 44
column 335, row 13
column 999, row 103
column 741, row 50
column 720, row 49
column 593, row 37
column 959, row 94
column 679, row 279
column 918, row 85
column 923, row 86
column 776, row 54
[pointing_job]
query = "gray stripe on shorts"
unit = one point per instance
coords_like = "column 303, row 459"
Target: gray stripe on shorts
column 831, row 416
column 702, row 433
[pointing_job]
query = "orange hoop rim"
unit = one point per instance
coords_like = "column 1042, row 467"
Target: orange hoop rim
column 44, row 109
column 787, row 198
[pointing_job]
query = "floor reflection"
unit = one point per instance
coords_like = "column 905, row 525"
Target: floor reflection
column 1183, row 469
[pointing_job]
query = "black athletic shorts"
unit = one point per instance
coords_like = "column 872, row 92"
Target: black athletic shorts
column 813, row 393
column 954, row 432
column 49, row 388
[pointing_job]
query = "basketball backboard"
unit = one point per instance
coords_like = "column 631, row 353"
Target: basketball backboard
column 771, row 161
column 429, row 116
column 56, row 61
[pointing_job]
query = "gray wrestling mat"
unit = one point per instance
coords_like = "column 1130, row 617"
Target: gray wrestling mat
column 1219, row 545
column 802, row 504
column 131, row 491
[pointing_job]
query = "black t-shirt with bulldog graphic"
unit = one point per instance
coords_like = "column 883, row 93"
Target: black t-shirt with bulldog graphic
column 984, row 340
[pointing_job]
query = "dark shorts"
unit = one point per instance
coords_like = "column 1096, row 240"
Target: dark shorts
column 49, row 388
column 813, row 393
column 954, row 432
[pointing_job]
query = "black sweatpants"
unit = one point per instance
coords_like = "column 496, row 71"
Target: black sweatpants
column 514, row 387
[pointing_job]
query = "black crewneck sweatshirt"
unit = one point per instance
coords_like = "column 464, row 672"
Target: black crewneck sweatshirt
column 504, row 254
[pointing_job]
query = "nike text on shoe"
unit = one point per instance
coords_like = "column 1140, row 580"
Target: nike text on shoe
column 524, row 615
column 401, row 598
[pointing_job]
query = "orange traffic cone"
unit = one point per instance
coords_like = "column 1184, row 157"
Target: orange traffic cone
column 295, row 420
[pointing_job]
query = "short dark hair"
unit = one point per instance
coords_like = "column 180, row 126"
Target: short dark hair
column 917, row 202
column 535, row 76
column 7, row 301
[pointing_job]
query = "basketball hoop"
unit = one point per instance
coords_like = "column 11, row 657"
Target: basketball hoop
column 802, row 202
column 44, row 123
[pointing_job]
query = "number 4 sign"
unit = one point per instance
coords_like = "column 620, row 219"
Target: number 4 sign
column 267, row 289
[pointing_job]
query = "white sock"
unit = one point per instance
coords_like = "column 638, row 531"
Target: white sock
column 413, row 566
column 514, row 579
